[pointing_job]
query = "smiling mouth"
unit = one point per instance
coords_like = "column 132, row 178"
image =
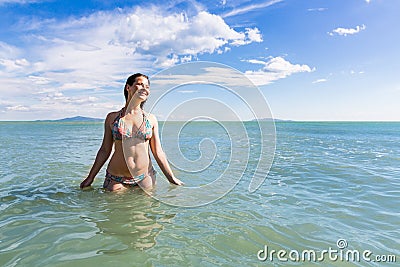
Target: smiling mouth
column 143, row 92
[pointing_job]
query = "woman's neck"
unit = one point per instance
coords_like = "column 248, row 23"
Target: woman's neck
column 132, row 107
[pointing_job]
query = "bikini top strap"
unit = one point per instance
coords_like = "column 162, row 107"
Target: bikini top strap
column 117, row 117
column 144, row 114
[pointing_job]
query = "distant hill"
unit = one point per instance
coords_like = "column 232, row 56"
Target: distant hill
column 76, row 119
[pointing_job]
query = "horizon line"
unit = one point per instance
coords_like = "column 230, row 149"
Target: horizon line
column 253, row 120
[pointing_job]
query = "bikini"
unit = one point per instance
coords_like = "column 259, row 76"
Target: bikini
column 126, row 180
column 119, row 130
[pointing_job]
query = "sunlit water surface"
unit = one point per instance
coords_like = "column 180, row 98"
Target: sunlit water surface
column 329, row 181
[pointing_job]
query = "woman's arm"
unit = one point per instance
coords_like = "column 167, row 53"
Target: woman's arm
column 159, row 155
column 102, row 155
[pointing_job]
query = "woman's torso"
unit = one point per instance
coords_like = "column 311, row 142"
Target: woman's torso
column 131, row 156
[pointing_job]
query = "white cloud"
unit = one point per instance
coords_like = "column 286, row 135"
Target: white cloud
column 18, row 108
column 19, row 1
column 76, row 86
column 208, row 75
column 39, row 80
column 249, row 8
column 14, row 65
column 172, row 37
column 319, row 9
column 254, row 35
column 10, row 58
column 99, row 51
column 347, row 31
column 59, row 98
column 353, row 72
column 104, row 39
column 320, row 81
column 274, row 69
column 186, row 58
column 8, row 51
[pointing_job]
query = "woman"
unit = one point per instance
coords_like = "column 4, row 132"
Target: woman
column 130, row 164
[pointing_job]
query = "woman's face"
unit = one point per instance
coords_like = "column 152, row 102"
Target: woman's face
column 140, row 88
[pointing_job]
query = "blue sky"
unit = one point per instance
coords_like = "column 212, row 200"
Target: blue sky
column 312, row 60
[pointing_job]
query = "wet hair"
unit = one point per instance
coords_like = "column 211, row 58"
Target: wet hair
column 131, row 79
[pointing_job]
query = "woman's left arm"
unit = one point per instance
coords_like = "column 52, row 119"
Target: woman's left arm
column 159, row 155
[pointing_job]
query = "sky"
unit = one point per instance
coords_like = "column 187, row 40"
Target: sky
column 306, row 60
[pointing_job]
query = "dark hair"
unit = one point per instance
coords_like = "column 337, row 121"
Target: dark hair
column 131, row 79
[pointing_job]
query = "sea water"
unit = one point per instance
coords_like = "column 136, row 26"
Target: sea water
column 333, row 187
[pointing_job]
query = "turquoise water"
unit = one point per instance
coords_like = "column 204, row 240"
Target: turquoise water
column 328, row 181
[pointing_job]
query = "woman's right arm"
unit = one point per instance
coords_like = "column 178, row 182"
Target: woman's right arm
column 102, row 155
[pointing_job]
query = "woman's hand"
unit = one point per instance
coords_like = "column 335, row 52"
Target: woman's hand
column 87, row 182
column 176, row 181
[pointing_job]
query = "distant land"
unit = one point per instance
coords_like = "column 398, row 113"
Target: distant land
column 75, row 119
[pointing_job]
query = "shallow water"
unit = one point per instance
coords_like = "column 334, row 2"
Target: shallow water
column 329, row 181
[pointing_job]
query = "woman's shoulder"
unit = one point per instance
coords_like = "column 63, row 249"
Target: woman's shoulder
column 112, row 115
column 151, row 117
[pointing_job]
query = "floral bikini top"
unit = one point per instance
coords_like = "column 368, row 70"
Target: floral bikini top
column 119, row 128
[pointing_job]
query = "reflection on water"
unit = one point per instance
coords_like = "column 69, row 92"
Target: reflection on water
column 133, row 218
